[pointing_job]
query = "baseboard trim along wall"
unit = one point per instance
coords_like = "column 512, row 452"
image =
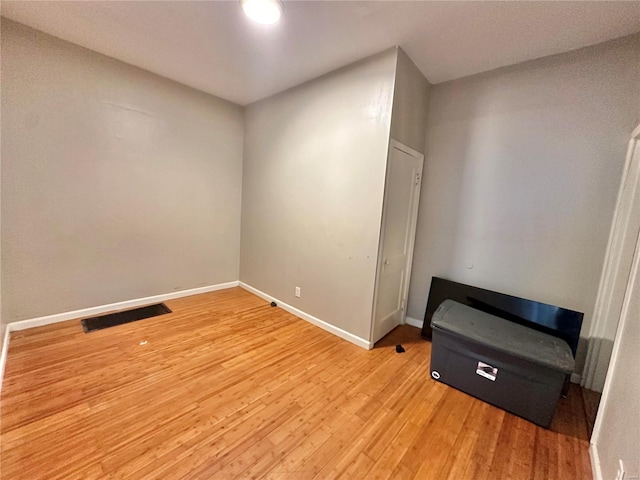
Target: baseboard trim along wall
column 595, row 462
column 89, row 312
column 414, row 322
column 361, row 342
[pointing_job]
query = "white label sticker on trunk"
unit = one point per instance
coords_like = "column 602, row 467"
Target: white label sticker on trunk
column 487, row 371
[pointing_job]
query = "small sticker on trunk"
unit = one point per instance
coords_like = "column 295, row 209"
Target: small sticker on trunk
column 487, row 371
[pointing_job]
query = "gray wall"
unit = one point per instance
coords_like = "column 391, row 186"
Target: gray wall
column 410, row 104
column 314, row 167
column 116, row 183
column 522, row 170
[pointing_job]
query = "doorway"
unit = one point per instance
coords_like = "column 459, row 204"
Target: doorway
column 616, row 271
column 397, row 237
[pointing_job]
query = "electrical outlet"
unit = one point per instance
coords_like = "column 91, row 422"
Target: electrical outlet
column 298, row 292
column 620, row 474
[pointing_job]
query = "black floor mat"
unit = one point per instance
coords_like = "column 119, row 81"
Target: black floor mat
column 128, row 316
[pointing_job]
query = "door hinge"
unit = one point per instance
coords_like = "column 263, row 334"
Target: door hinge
column 417, row 179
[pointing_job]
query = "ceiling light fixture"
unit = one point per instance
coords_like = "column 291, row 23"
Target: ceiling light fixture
column 264, row 12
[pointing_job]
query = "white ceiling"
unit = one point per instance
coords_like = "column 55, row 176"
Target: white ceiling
column 211, row 46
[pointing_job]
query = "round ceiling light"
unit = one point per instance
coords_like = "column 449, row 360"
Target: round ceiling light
column 265, row 12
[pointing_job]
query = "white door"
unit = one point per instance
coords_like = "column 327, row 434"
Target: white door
column 399, row 217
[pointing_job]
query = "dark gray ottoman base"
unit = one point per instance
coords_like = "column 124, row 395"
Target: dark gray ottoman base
column 508, row 365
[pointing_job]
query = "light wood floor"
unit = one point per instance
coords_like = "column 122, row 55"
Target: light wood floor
column 229, row 387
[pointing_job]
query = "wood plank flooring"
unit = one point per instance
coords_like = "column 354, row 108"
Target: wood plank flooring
column 228, row 387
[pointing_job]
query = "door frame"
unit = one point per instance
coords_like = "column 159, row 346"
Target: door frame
column 618, row 258
column 412, row 234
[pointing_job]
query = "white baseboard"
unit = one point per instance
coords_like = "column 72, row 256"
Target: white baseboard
column 596, row 470
column 414, row 322
column 3, row 355
column 88, row 312
column 576, row 378
column 361, row 342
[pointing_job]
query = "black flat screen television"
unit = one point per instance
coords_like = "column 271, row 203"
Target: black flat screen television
column 556, row 321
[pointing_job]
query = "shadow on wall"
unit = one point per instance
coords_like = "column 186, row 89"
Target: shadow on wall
column 602, row 349
column 581, row 352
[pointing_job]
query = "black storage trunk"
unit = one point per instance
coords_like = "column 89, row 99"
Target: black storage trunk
column 513, row 367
